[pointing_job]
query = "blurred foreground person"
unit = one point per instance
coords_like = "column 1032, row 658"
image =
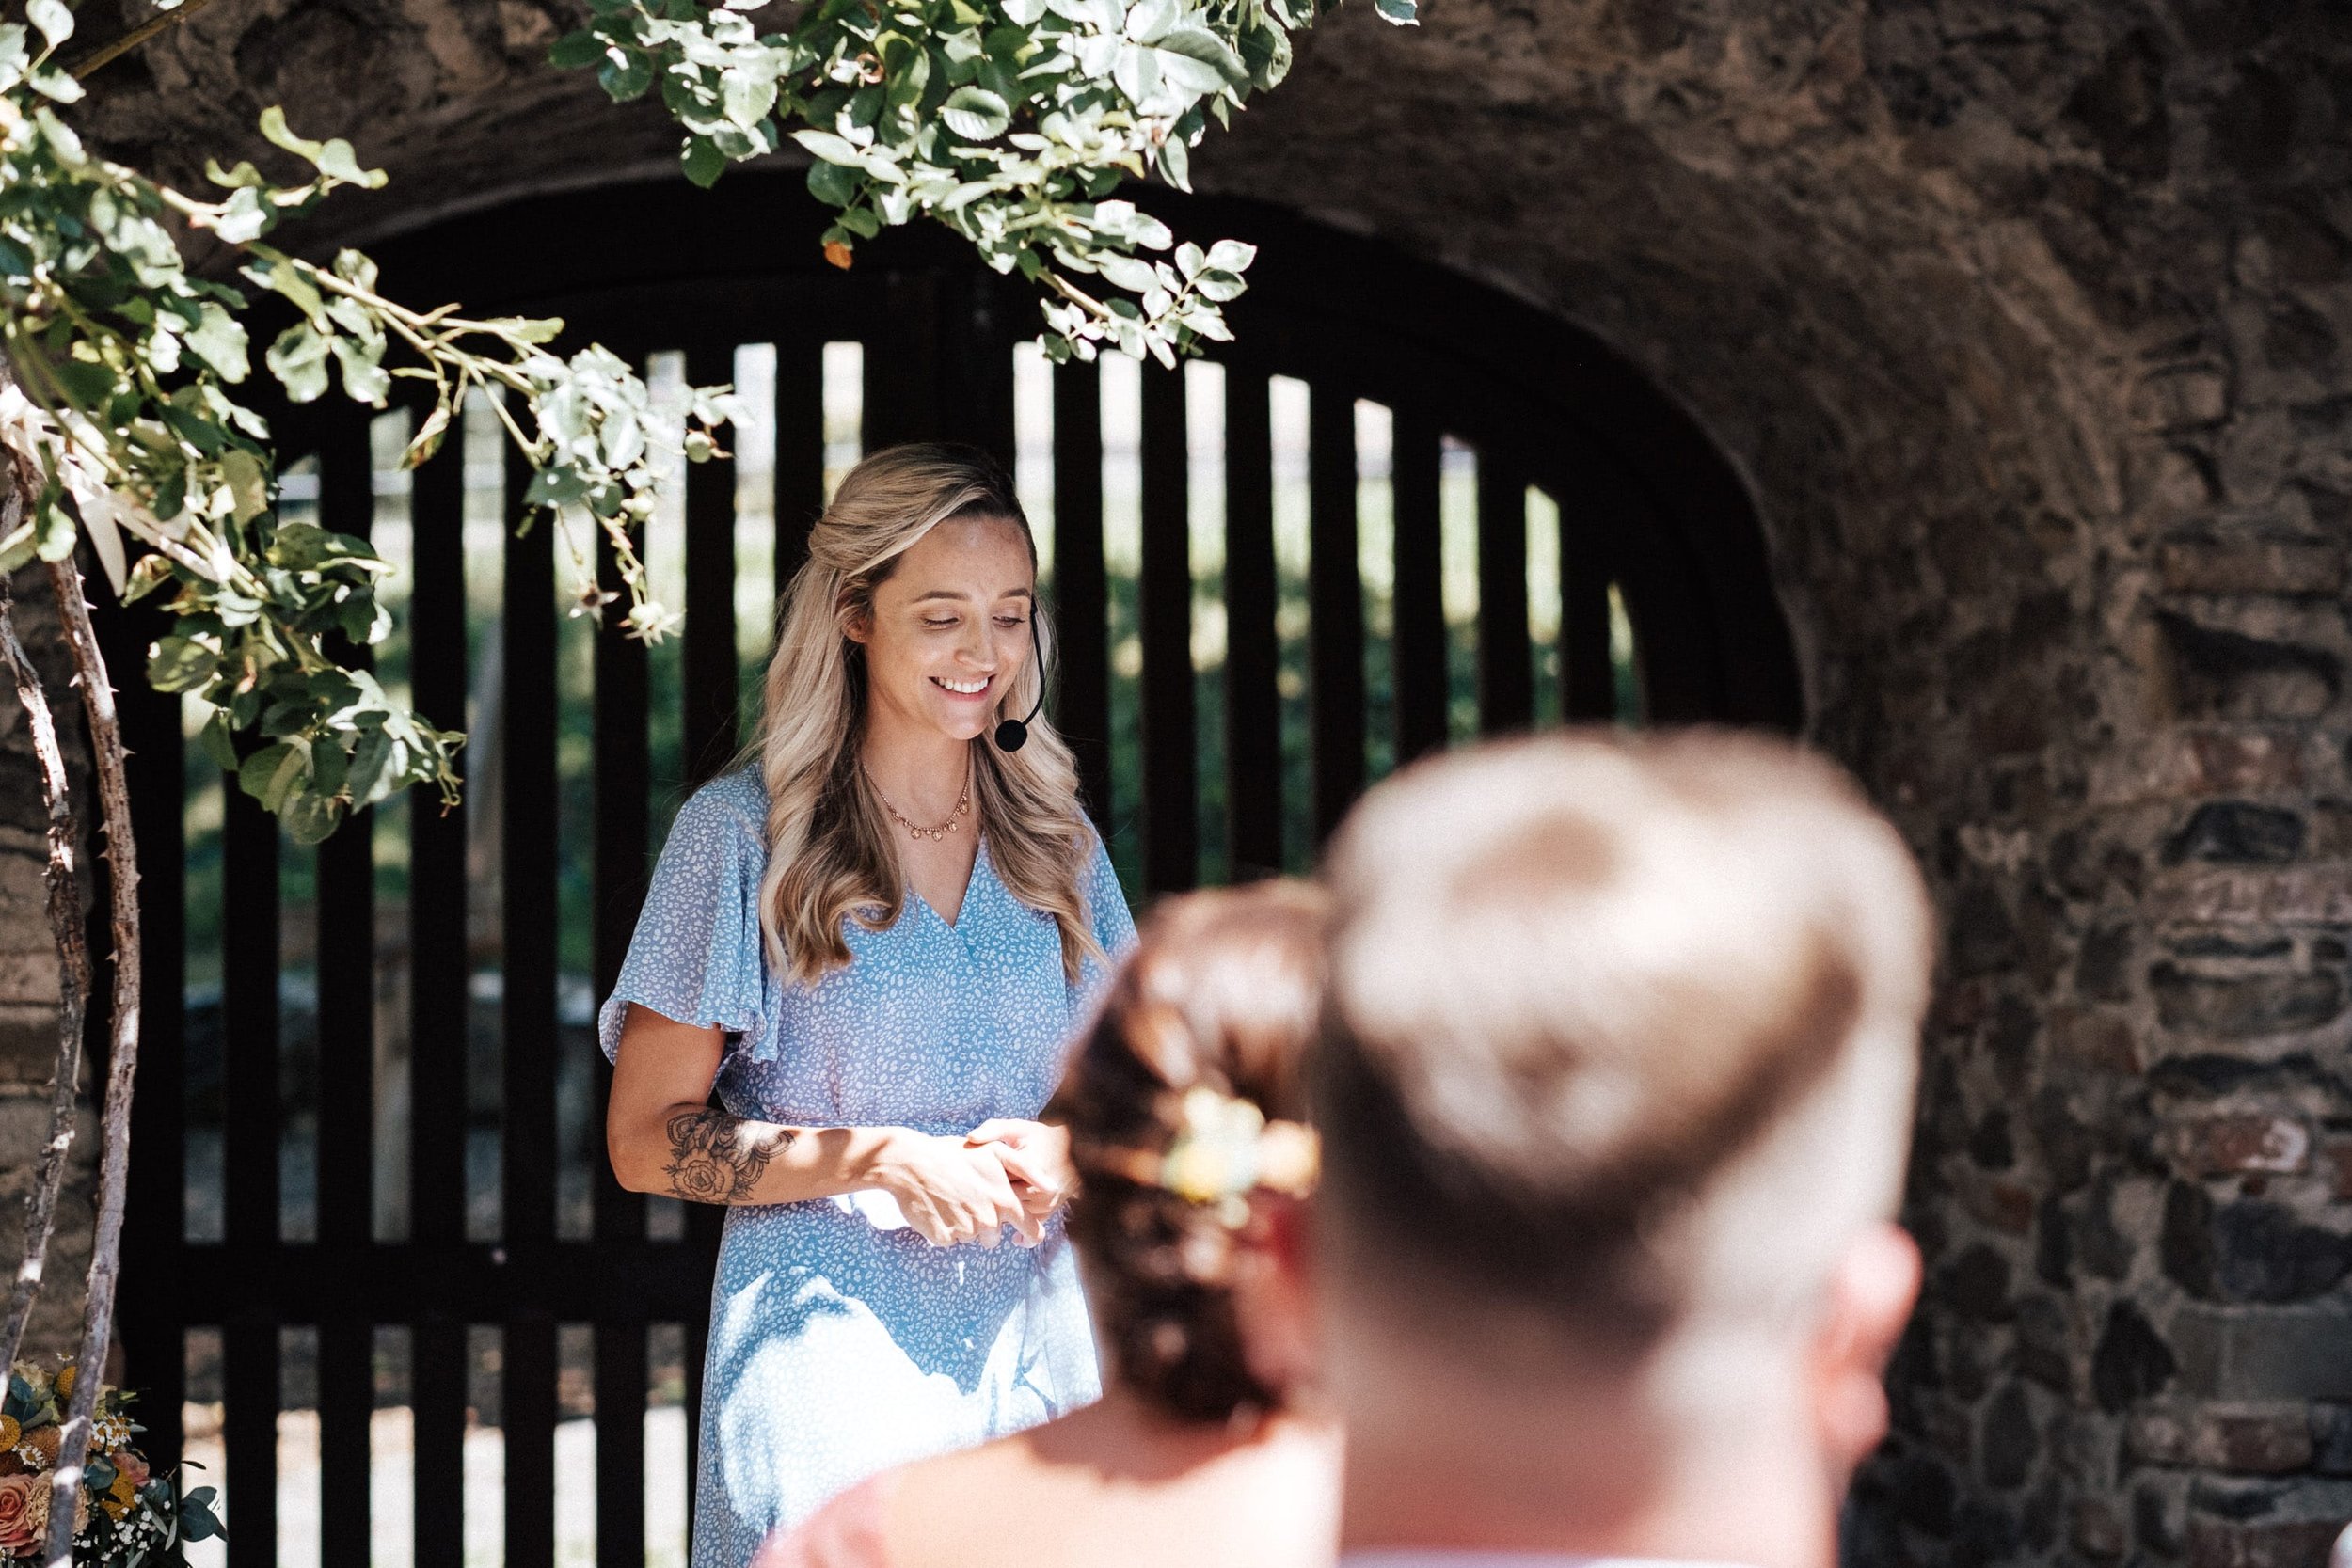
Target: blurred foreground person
column 1615, row 1088
column 1184, row 1107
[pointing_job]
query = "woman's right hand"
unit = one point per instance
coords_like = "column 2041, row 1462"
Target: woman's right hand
column 949, row 1193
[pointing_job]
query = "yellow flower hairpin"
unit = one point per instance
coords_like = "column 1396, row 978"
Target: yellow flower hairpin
column 1224, row 1150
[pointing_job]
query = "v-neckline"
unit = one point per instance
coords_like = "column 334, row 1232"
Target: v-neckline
column 964, row 905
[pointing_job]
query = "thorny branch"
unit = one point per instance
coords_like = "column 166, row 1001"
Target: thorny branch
column 73, row 976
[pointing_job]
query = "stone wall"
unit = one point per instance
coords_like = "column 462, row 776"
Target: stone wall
column 2024, row 321
column 28, row 982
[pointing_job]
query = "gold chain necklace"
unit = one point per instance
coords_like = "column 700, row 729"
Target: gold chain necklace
column 915, row 830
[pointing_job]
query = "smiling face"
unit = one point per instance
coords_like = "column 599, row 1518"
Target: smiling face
column 948, row 632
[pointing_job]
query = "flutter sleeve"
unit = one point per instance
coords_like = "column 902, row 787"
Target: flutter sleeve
column 1114, row 923
column 695, row 956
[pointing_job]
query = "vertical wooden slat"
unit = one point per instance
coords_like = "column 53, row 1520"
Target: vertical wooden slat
column 249, row 1015
column 695, row 1334
column 346, row 1071
column 155, row 1216
column 975, row 367
column 1081, row 590
column 527, row 1160
column 1335, row 636
column 709, row 658
column 1171, row 849
column 1253, row 702
column 1506, row 670
column 437, row 1009
column 249, row 1374
column 800, row 450
column 621, row 780
column 1587, row 687
column 902, row 356
column 1419, row 649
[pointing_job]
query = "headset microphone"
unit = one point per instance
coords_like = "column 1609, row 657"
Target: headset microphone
column 1014, row 733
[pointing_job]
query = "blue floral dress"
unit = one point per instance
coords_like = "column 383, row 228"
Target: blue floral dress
column 841, row 1342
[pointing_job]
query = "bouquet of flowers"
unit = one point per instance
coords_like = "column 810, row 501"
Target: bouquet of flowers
column 124, row 1515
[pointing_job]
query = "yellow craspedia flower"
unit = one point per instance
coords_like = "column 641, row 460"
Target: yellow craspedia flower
column 12, row 1433
column 65, row 1381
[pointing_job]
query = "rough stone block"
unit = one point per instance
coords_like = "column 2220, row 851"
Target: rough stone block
column 2237, row 832
column 2103, row 1040
column 2271, row 1439
column 2268, row 1543
column 2182, row 397
column 2246, row 1004
column 2251, row 1354
column 2215, row 1146
column 2098, row 1530
column 2132, row 1360
column 2223, row 673
column 2339, row 1158
column 2283, row 566
column 2292, row 895
column 2332, row 1439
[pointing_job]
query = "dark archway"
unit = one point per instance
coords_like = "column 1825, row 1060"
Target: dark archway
column 370, row 1097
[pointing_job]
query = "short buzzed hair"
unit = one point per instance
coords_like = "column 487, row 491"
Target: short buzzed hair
column 1619, row 1030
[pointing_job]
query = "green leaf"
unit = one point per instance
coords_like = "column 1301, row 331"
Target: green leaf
column 270, row 774
column 87, row 384
column 427, row 440
column 1232, row 256
column 575, row 50
column 180, row 663
column 56, row 534
column 337, row 161
column 975, row 114
column 298, row 358
column 1200, row 45
column 832, row 184
column 703, row 162
column 375, row 767
column 831, row 149
column 626, row 77
column 249, row 484
column 364, row 378
column 1403, row 13
column 747, row 96
column 310, row 816
column 218, row 743
column 219, row 340
column 279, row 133
column 53, row 16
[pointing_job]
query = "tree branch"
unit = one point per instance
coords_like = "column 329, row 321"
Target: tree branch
column 123, row 42
column 65, row 925
column 114, row 1166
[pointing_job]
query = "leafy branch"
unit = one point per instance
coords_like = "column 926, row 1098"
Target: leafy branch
column 1010, row 121
column 121, row 412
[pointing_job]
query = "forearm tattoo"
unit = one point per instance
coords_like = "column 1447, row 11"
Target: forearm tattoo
column 717, row 1158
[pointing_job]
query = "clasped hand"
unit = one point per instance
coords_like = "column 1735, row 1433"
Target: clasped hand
column 1004, row 1172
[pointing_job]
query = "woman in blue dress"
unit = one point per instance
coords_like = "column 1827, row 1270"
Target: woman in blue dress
column 873, row 938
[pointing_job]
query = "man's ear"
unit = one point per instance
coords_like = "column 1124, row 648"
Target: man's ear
column 1871, row 1292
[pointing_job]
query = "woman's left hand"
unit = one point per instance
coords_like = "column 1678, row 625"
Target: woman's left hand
column 1035, row 1155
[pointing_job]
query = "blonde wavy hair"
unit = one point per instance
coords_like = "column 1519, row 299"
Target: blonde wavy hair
column 830, row 852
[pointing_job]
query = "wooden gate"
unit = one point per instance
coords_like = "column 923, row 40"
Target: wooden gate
column 370, row 1211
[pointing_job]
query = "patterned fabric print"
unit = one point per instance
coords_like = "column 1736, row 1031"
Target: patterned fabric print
column 841, row 1342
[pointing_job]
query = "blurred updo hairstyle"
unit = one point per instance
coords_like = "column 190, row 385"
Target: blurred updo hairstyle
column 1222, row 993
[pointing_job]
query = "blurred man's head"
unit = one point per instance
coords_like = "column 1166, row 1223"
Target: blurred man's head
column 1615, row 1086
